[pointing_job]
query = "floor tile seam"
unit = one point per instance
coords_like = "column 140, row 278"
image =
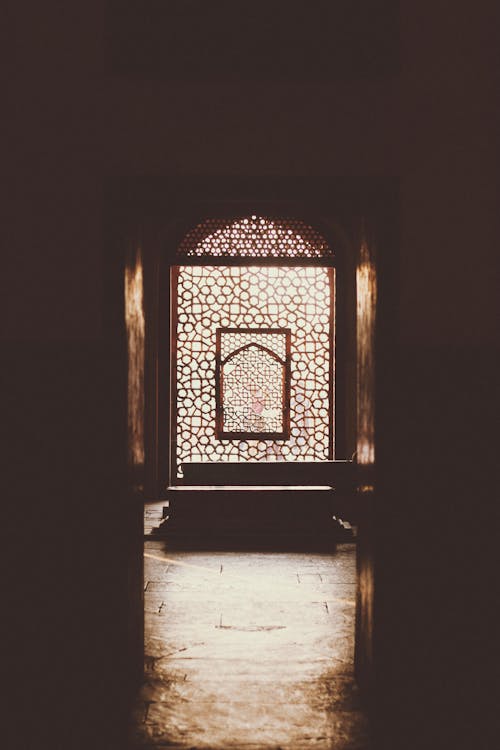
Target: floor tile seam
column 243, row 582
column 215, row 570
column 236, row 596
column 153, row 682
column 257, row 704
column 253, row 746
column 183, row 588
column 251, row 596
column 178, row 661
column 230, row 578
column 288, row 607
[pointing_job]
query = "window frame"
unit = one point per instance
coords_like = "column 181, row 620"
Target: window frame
column 330, row 263
column 220, row 433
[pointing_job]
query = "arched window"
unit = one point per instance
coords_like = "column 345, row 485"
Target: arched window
column 252, row 382
column 253, row 329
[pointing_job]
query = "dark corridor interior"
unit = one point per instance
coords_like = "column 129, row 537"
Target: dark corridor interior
column 258, row 519
column 388, row 106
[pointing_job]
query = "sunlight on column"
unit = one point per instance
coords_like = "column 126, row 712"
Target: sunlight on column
column 366, row 291
column 134, row 323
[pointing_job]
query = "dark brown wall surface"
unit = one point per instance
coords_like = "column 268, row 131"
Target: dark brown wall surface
column 74, row 124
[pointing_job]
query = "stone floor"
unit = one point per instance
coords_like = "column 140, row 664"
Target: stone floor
column 249, row 650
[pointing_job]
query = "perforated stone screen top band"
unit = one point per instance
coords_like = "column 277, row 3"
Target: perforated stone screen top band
column 252, row 373
column 254, row 237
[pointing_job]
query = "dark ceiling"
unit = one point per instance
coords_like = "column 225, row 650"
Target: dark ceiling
column 225, row 40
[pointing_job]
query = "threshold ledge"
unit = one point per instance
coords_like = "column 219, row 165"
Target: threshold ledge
column 248, row 487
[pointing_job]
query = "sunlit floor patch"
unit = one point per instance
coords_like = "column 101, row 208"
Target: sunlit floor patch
column 249, row 650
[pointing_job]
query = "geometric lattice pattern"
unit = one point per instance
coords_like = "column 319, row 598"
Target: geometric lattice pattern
column 254, row 237
column 253, row 383
column 254, row 297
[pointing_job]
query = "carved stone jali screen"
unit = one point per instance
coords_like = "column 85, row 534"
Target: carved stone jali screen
column 254, row 237
column 293, row 406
